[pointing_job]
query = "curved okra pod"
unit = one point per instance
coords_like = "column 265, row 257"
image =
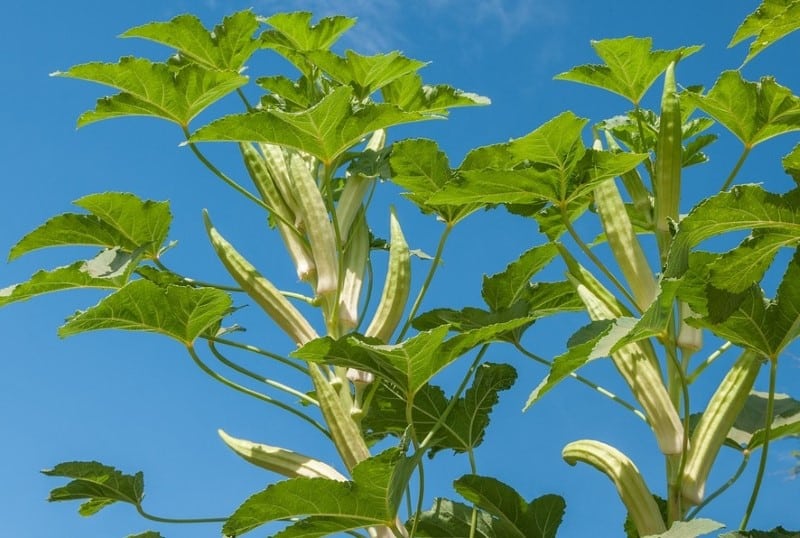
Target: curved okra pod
column 716, row 422
column 630, row 485
column 667, row 176
column 356, row 256
column 396, row 288
column 261, row 290
column 355, row 188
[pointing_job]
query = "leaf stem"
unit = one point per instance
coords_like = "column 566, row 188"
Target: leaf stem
column 473, row 520
column 599, row 264
column 159, row 519
column 252, row 375
column 591, row 384
column 762, row 462
column 736, row 168
column 259, row 351
column 437, row 258
column 194, row 282
column 711, row 358
column 678, row 375
column 732, row 480
column 244, row 390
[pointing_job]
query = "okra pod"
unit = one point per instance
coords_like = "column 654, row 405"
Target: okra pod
column 355, row 188
column 667, row 175
column 630, row 485
column 640, row 196
column 261, row 290
column 690, row 339
column 396, row 287
column 356, row 256
column 716, row 422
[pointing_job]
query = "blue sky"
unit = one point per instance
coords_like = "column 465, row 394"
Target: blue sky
column 136, row 401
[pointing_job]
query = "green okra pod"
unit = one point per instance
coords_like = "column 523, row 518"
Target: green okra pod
column 356, row 256
column 261, row 290
column 667, row 173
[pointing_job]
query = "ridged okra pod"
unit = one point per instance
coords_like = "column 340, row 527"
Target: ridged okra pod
column 396, row 287
column 640, row 196
column 356, row 256
column 715, row 424
column 667, row 174
column 261, row 290
column 355, row 188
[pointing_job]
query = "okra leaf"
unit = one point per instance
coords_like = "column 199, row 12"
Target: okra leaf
column 408, row 93
column 367, row 500
column 180, row 312
column 771, row 21
column 630, row 66
column 449, row 519
column 228, row 46
column 791, row 163
column 116, row 219
column 147, row 534
column 422, row 168
column 690, row 529
column 590, row 342
column 109, row 270
column 656, row 319
column 295, row 31
column 752, row 111
column 154, row 89
column 285, row 93
column 738, row 268
column 540, row 517
column 504, row 289
column 749, row 428
column 777, row 532
column 783, row 313
column 320, row 526
column 101, row 485
column 366, row 74
column 326, row 130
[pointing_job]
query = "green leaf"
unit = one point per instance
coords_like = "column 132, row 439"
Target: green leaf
column 749, row 428
column 116, row 219
column 286, row 94
column 771, row 21
column 420, row 167
column 296, row 31
column 777, row 532
column 590, row 342
column 319, row 526
column 100, row 484
column 538, row 519
column 154, row 89
column 783, row 313
column 449, row 519
column 791, row 163
column 109, row 270
column 630, row 66
column 740, row 267
column 325, row 130
column 690, row 529
column 752, row 111
column 228, row 46
column 364, row 501
column 411, row 95
column 504, row 289
column 366, row 74
column 180, row 312
column 147, row 534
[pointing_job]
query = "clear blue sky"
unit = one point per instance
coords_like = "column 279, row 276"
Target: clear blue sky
column 137, row 402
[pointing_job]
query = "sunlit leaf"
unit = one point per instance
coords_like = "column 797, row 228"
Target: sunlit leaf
column 749, row 429
column 690, row 529
column 630, row 66
column 101, row 485
column 504, row 289
column 180, row 312
column 154, row 89
column 791, row 163
column 752, row 111
column 366, row 74
column 228, row 46
column 410, row 94
column 449, row 519
column 326, row 130
column 297, row 31
column 541, row 517
column 771, row 21
column 286, row 94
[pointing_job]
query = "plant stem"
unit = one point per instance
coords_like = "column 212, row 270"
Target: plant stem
column 174, row 520
column 437, row 258
column 473, row 521
column 252, row 375
column 591, row 384
column 736, row 168
column 599, row 264
column 675, row 472
column 259, row 351
column 194, row 282
column 732, row 480
column 711, row 358
column 762, row 462
column 254, row 394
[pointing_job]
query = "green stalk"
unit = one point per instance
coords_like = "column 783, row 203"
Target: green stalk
column 253, row 349
column 736, row 168
column 719, row 491
column 159, row 519
column 711, row 358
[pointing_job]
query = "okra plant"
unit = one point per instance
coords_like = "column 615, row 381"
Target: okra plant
column 366, row 349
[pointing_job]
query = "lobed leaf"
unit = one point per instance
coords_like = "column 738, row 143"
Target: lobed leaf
column 504, row 289
column 408, row 93
column 449, row 519
column 366, row 74
column 750, row 427
column 100, row 484
column 771, row 21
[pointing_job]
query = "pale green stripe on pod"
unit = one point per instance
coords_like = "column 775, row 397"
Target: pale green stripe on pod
column 630, row 485
column 318, row 227
column 690, row 339
column 261, row 290
column 356, row 256
column 277, row 160
column 640, row 196
column 396, row 288
column 667, row 176
column 716, row 422
column 280, row 460
column 344, row 430
column 355, row 188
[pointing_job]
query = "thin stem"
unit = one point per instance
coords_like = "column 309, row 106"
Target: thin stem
column 254, row 394
column 259, row 351
column 437, row 258
column 244, row 99
column 762, row 462
column 591, row 384
column 252, row 375
column 599, row 264
column 420, row 496
column 711, row 358
column 159, row 519
column 675, row 506
column 473, row 520
column 736, row 168
column 194, row 282
column 731, row 481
